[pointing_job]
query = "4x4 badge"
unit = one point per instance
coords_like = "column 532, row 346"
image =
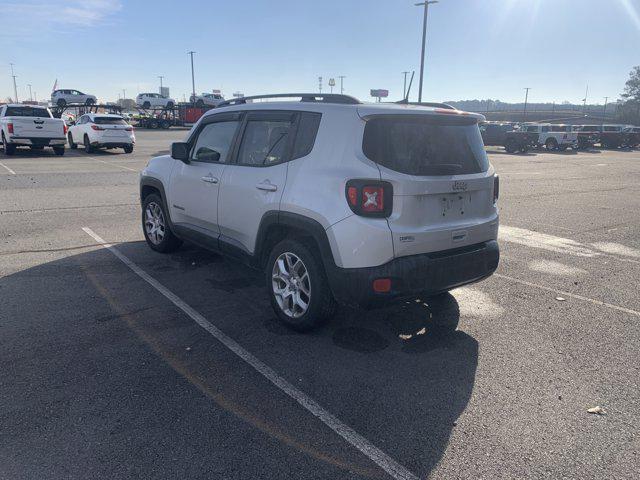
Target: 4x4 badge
column 459, row 186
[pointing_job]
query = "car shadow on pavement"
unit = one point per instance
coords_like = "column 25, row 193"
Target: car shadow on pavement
column 394, row 374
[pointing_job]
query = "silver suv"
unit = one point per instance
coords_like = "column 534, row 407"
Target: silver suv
column 337, row 201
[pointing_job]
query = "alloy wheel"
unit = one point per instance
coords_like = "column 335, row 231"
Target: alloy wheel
column 291, row 284
column 154, row 223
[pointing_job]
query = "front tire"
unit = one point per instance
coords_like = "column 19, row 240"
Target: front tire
column 61, row 102
column 511, row 146
column 298, row 287
column 146, row 105
column 155, row 226
column 200, row 104
column 551, row 144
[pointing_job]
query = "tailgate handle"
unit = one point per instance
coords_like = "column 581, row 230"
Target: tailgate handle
column 459, row 235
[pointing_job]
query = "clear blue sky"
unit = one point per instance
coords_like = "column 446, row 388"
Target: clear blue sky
column 475, row 48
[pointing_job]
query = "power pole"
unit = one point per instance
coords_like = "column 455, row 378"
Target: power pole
column 160, row 77
column 424, row 4
column 320, row 84
column 193, row 81
column 15, row 88
column 404, row 88
column 526, row 98
column 584, row 101
column 341, row 77
column 30, row 94
column 604, row 109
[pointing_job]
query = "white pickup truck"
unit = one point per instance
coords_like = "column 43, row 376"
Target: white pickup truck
column 31, row 126
column 548, row 138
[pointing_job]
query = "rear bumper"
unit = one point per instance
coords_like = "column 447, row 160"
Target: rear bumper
column 425, row 274
column 114, row 144
column 39, row 141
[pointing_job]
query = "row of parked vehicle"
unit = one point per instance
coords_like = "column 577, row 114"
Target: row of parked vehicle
column 34, row 127
column 64, row 97
column 516, row 137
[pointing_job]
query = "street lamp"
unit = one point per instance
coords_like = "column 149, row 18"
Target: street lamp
column 193, row 82
column 341, row 77
column 15, row 88
column 526, row 97
column 424, row 39
column 30, row 94
column 604, row 109
column 160, row 77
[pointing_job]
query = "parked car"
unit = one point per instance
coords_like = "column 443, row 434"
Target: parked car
column 101, row 130
column 207, row 100
column 65, row 97
column 31, row 126
column 585, row 139
column 503, row 134
column 338, row 202
column 546, row 137
column 631, row 137
column 611, row 136
column 150, row 100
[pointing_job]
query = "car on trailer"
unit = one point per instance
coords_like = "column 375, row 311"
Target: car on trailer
column 31, row 126
column 336, row 201
column 101, row 130
column 64, row 97
column 207, row 100
column 154, row 100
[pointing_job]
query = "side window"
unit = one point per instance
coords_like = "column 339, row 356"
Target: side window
column 306, row 134
column 214, row 142
column 265, row 141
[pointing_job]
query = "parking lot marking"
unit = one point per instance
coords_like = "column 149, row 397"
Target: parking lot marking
column 8, row 169
column 544, row 241
column 384, row 461
column 570, row 295
column 116, row 165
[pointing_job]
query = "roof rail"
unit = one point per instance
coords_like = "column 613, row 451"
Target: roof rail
column 428, row 104
column 304, row 97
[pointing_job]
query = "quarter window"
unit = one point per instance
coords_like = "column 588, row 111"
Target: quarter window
column 306, row 135
column 214, row 142
column 265, row 142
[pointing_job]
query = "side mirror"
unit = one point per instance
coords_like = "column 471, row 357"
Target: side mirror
column 206, row 154
column 180, row 151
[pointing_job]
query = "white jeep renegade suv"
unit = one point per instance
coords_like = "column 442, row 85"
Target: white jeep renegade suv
column 336, row 200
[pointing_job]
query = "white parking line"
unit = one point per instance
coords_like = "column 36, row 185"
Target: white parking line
column 384, row 461
column 8, row 169
column 116, row 165
column 570, row 295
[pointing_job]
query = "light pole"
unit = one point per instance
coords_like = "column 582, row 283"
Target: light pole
column 341, row 77
column 404, row 88
column 160, row 77
column 319, row 84
column 193, row 81
column 30, row 94
column 15, row 88
column 604, row 109
column 526, row 98
column 424, row 39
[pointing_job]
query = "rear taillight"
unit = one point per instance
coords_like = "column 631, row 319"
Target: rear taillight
column 65, row 129
column 10, row 127
column 96, row 127
column 129, row 129
column 496, row 188
column 369, row 198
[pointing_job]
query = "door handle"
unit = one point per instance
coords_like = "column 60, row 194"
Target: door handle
column 267, row 187
column 209, row 179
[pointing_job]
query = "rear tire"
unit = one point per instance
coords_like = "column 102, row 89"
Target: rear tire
column 146, row 105
column 61, row 102
column 90, row 101
column 72, row 145
column 511, row 146
column 551, row 144
column 58, row 151
column 170, row 105
column 200, row 104
column 298, row 287
column 128, row 149
column 155, row 226
column 9, row 149
column 87, row 145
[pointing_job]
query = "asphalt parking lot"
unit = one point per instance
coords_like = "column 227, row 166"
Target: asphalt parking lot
column 107, row 371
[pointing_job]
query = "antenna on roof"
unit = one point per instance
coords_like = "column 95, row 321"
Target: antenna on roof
column 405, row 100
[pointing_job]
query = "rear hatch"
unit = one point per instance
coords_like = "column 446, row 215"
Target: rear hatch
column 115, row 128
column 34, row 122
column 443, row 186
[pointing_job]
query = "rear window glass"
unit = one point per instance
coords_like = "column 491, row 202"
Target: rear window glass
column 27, row 112
column 109, row 121
column 425, row 144
column 306, row 135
